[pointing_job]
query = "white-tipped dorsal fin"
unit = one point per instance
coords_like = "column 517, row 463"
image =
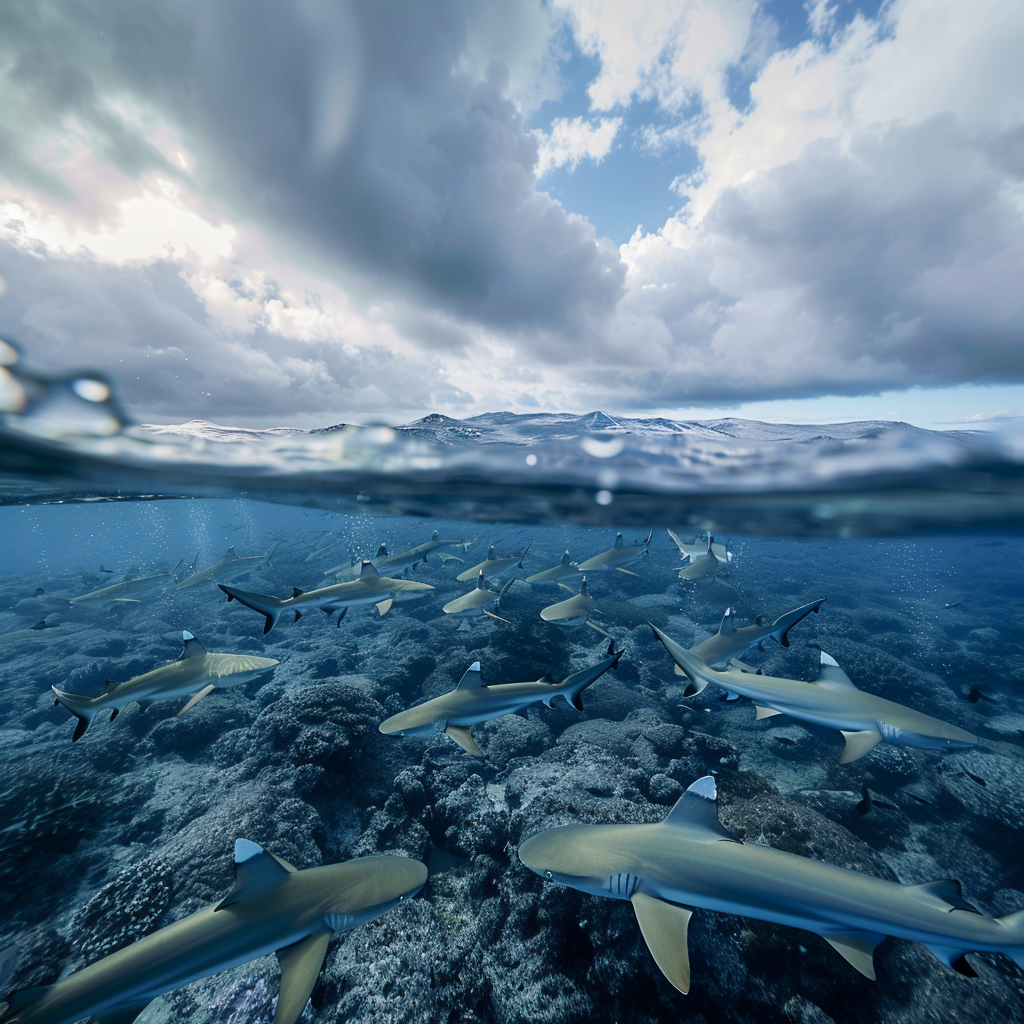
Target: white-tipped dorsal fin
column 382, row 551
column 367, row 571
column 191, row 647
column 728, row 620
column 490, row 554
column 565, row 559
column 471, row 679
column 254, row 867
column 618, row 540
column 230, row 555
column 830, row 674
column 481, row 584
column 697, row 813
column 583, row 587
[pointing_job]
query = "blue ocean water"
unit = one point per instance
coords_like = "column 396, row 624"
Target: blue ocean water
column 911, row 539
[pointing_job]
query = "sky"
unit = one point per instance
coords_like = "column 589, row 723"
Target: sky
column 320, row 211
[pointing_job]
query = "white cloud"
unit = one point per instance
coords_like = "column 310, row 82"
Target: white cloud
column 571, row 140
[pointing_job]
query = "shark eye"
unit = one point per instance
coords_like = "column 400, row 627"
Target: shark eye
column 548, row 874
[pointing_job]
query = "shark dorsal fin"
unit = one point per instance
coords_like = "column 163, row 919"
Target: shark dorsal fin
column 230, row 555
column 565, row 559
column 831, row 675
column 471, row 679
column 583, row 587
column 728, row 623
column 435, row 535
column 490, row 554
column 480, row 582
column 945, row 894
column 368, row 571
column 382, row 551
column 296, row 593
column 696, row 812
column 254, row 867
column 191, row 648
column 110, row 683
column 618, row 540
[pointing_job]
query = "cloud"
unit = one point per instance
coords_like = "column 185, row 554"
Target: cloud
column 571, row 140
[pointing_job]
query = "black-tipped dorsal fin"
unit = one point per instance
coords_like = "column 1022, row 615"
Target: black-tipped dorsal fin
column 368, row 571
column 471, row 679
column 946, row 894
column 230, row 555
column 296, row 593
column 831, row 675
column 254, row 867
column 696, row 812
column 110, row 683
column 618, row 540
column 191, row 647
column 728, row 623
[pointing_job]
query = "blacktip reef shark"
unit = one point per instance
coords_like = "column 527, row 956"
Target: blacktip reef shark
column 732, row 641
column 477, row 600
column 831, row 700
column 699, row 546
column 690, row 861
column 195, row 674
column 566, row 567
column 370, row 588
column 706, row 562
column 617, row 557
column 383, row 562
column 230, row 567
column 471, row 702
column 129, row 591
column 493, row 566
column 573, row 611
column 273, row 908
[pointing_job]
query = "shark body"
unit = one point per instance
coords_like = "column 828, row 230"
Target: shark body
column 566, row 567
column 690, row 860
column 195, row 674
column 472, row 702
column 700, row 546
column 230, row 567
column 617, row 557
column 477, row 601
column 370, row 588
column 492, row 566
column 573, row 611
column 733, row 641
column 401, row 560
column 831, row 700
column 273, row 908
column 130, row 591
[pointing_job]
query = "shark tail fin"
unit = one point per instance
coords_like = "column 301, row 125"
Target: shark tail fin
column 1014, row 924
column 786, row 622
column 687, row 664
column 269, row 607
column 574, row 685
column 83, row 708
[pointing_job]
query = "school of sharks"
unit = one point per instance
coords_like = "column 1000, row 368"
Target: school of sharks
column 653, row 840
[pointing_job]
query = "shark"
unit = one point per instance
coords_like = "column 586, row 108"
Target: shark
column 573, row 611
column 383, row 562
column 692, row 550
column 196, row 673
column 272, row 908
column 617, row 557
column 369, row 588
column 732, row 641
column 493, row 566
column 472, row 702
column 230, row 567
column 476, row 601
column 129, row 591
column 690, row 861
column 831, row 700
column 706, row 561
column 566, row 567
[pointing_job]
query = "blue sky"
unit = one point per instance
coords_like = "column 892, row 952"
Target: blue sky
column 263, row 213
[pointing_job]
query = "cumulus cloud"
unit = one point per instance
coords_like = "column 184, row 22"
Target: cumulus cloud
column 571, row 140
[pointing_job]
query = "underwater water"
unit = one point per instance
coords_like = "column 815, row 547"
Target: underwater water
column 132, row 827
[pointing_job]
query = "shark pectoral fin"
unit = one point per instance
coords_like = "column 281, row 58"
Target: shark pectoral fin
column 464, row 738
column 603, row 632
column 383, row 606
column 564, row 587
column 765, row 712
column 197, row 697
column 300, row 967
column 742, row 666
column 678, row 671
column 628, row 572
column 858, row 744
column 120, row 1015
column 858, row 948
column 663, row 926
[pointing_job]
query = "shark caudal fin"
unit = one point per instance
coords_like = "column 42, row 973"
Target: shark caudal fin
column 83, row 708
column 784, row 623
column 269, row 607
column 573, row 686
column 688, row 663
